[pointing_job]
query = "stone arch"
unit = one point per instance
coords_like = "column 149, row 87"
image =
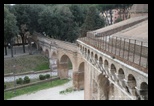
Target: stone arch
column 65, row 66
column 41, row 49
column 96, row 59
column 101, row 63
column 80, row 47
column 103, row 87
column 85, row 50
column 144, row 91
column 54, row 55
column 106, row 66
column 80, row 76
column 113, row 71
column 91, row 57
column 47, row 53
column 131, row 84
column 121, row 77
column 53, row 61
column 81, row 67
column 88, row 53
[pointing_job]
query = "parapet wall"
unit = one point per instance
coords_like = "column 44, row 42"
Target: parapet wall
column 116, row 27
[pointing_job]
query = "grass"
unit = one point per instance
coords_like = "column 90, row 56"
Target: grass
column 34, row 88
column 43, row 66
column 26, row 63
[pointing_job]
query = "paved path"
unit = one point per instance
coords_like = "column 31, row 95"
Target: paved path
column 53, row 94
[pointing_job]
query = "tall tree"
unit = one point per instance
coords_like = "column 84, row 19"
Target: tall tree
column 93, row 21
column 23, row 20
column 10, row 28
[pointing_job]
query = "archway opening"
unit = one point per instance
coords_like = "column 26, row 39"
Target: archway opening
column 131, row 83
column 113, row 71
column 65, row 67
column 121, row 77
column 80, row 77
column 40, row 49
column 53, row 62
column 88, row 54
column 103, row 87
column 100, row 64
column 91, row 57
column 144, row 91
column 96, row 59
column 106, row 65
column 47, row 53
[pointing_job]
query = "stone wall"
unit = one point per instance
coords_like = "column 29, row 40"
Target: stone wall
column 114, row 29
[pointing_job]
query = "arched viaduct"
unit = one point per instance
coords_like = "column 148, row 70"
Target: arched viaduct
column 102, row 75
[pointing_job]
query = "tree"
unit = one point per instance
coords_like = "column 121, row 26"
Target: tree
column 58, row 23
column 93, row 21
column 23, row 19
column 10, row 28
column 107, row 8
column 79, row 13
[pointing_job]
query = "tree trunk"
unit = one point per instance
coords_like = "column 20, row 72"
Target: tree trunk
column 110, row 16
column 120, row 13
column 23, row 43
column 124, row 14
column 5, row 50
column 106, row 19
column 11, row 45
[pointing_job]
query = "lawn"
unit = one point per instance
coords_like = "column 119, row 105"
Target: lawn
column 34, row 88
column 26, row 63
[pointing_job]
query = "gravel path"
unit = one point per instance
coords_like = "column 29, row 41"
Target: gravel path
column 52, row 94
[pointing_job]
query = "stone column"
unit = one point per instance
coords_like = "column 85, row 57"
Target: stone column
column 63, row 70
column 78, row 80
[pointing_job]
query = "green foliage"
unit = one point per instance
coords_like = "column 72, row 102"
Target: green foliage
column 19, row 81
column 30, row 89
column 4, row 86
column 92, row 22
column 42, row 66
column 47, row 76
column 10, row 28
column 42, row 77
column 68, row 90
column 26, row 63
column 59, row 21
column 26, row 80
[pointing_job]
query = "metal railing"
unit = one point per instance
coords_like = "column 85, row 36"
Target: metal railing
column 130, row 51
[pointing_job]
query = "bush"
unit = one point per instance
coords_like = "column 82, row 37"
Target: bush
column 4, row 86
column 26, row 79
column 41, row 77
column 19, row 81
column 47, row 76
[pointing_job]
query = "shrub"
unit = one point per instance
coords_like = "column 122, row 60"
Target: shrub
column 19, row 81
column 41, row 77
column 26, row 79
column 47, row 76
column 4, row 86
